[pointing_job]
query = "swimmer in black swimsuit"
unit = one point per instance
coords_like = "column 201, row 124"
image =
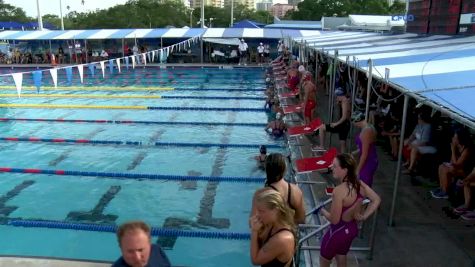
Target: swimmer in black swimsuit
column 261, row 158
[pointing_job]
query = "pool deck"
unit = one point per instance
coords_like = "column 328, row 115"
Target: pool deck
column 422, row 235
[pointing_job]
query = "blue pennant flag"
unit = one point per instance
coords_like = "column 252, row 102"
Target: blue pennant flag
column 37, row 77
column 111, row 66
column 127, row 62
column 69, row 75
column 92, row 69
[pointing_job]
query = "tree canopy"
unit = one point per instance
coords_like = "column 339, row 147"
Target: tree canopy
column 316, row 9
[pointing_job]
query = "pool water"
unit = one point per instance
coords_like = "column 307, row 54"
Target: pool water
column 190, row 205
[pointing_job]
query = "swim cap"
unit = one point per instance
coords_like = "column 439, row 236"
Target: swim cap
column 263, row 149
column 301, row 68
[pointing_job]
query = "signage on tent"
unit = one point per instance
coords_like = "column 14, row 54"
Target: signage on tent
column 402, row 17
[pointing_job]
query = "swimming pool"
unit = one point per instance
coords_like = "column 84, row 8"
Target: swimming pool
column 184, row 139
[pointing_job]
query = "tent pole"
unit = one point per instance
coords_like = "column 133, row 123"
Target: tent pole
column 399, row 160
column 123, row 48
column 85, row 50
column 202, row 52
column 353, row 96
column 331, row 94
column 50, row 48
column 368, row 88
column 161, row 42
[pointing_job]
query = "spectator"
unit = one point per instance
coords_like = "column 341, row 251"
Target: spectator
column 243, row 52
column 104, row 54
column 459, row 162
column 275, row 170
column 419, row 142
column 272, row 231
column 342, row 126
column 260, row 53
column 368, row 157
column 468, row 184
column 60, row 55
column 345, row 210
column 266, row 53
column 134, row 243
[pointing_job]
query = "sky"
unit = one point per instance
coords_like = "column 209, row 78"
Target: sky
column 52, row 6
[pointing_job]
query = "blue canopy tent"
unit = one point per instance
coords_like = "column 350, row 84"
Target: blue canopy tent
column 248, row 24
column 438, row 71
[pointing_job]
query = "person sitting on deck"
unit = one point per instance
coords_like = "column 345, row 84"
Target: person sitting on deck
column 468, row 184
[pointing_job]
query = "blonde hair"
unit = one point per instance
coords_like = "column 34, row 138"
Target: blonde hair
column 272, row 200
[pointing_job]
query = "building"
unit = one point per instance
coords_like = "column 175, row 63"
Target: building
column 214, row 3
column 251, row 4
column 266, row 6
column 279, row 10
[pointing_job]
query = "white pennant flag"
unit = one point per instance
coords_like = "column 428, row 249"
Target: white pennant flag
column 103, row 68
column 168, row 51
column 54, row 76
column 144, row 58
column 18, row 79
column 161, row 56
column 133, row 62
column 148, row 57
column 118, row 64
column 153, row 55
column 81, row 72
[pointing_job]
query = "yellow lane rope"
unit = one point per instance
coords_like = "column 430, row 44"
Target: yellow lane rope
column 81, row 96
column 95, row 88
column 69, row 106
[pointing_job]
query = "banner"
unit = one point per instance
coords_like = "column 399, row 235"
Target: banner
column 81, row 72
column 54, row 76
column 117, row 61
column 69, row 75
column 133, row 62
column 18, row 79
column 144, row 59
column 103, row 68
column 37, row 79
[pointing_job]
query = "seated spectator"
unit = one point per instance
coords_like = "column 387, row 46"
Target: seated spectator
column 461, row 152
column 134, row 243
column 277, row 127
column 345, row 210
column 104, row 54
column 275, row 167
column 393, row 131
column 419, row 142
column 273, row 235
column 466, row 210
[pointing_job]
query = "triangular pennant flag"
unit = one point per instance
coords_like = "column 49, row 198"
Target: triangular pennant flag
column 148, row 57
column 81, row 72
column 117, row 61
column 18, row 79
column 103, row 68
column 161, row 55
column 111, row 66
column 127, row 62
column 168, row 51
column 144, row 59
column 69, row 75
column 37, row 77
column 54, row 76
column 153, row 55
column 133, row 62
column 92, row 69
